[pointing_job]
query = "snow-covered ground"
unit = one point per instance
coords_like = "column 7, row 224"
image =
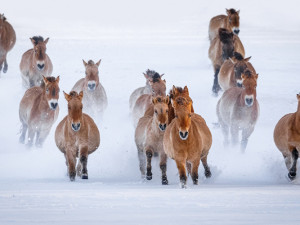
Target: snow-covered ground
column 130, row 37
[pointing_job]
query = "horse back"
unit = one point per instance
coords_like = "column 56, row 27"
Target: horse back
column 214, row 25
column 8, row 36
column 226, row 75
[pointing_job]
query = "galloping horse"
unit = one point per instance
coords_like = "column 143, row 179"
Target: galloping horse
column 231, row 22
column 39, row 110
column 77, row 136
column 7, row 41
column 287, row 139
column 35, row 63
column 145, row 101
column 94, row 95
column 221, row 49
column 142, row 90
column 187, row 140
column 238, row 109
column 231, row 71
column 149, row 137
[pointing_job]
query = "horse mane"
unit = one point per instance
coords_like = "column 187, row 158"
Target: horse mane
column 50, row 79
column 91, row 62
column 232, row 11
column 3, row 17
column 73, row 94
column 150, row 73
column 238, row 56
column 156, row 78
column 248, row 73
column 225, row 35
column 181, row 100
column 38, row 39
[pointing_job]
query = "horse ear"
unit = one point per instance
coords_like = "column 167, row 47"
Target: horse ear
column 57, row 79
column 67, row 97
column 256, row 76
column 32, row 41
column 84, row 63
column 173, row 104
column 228, row 12
column 298, row 97
column 161, row 75
column 45, row 80
column 46, row 41
column 80, row 95
column 186, row 90
column 146, row 76
column 167, row 99
column 231, row 60
column 154, row 100
column 247, row 59
column 98, row 63
column 238, row 12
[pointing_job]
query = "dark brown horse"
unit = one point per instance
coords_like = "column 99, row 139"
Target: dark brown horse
column 39, row 110
column 230, row 22
column 7, row 41
column 35, row 63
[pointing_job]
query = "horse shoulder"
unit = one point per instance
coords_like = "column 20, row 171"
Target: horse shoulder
column 204, row 132
column 168, row 140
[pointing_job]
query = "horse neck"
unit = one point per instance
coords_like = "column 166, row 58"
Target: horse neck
column 297, row 117
column 240, row 97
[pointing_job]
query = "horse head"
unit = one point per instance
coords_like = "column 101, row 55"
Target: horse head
column 158, row 85
column 39, row 48
column 74, row 109
column 183, row 114
column 240, row 65
column 161, row 111
column 249, row 86
column 91, row 74
column 234, row 20
column 51, row 91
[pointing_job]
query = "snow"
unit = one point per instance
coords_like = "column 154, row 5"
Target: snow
column 172, row 38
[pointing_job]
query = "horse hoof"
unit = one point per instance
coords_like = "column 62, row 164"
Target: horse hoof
column 72, row 178
column 183, row 185
column 148, row 177
column 164, row 182
column 292, row 175
column 207, row 174
column 84, row 176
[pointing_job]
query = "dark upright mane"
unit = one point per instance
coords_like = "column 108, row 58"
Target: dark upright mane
column 181, row 100
column 238, row 56
column 91, row 62
column 73, row 93
column 150, row 73
column 156, row 78
column 232, row 11
column 37, row 39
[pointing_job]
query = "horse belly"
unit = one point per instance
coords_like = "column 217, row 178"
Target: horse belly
column 280, row 134
column 225, row 74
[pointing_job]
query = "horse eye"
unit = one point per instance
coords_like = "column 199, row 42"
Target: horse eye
column 167, row 111
column 155, row 111
column 190, row 115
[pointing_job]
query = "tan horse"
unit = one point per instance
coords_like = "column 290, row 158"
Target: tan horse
column 94, row 95
column 7, row 41
column 145, row 101
column 230, row 22
column 231, row 71
column 77, row 136
column 238, row 109
column 287, row 139
column 39, row 110
column 35, row 63
column 142, row 90
column 187, row 140
column 221, row 49
column 149, row 138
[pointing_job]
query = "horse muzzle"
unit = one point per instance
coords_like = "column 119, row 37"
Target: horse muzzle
column 183, row 135
column 236, row 30
column 53, row 104
column 162, row 127
column 249, row 100
column 76, row 126
column 91, row 85
column 40, row 65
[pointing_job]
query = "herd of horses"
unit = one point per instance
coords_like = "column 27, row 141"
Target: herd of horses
column 166, row 125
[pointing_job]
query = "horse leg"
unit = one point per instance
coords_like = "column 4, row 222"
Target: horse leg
column 41, row 137
column 225, row 131
column 293, row 170
column 84, row 152
column 5, row 68
column 195, row 167
column 182, row 173
column 31, row 133
column 216, row 87
column 207, row 172
column 79, row 168
column 149, row 154
column 245, row 135
column 23, row 133
column 234, row 131
column 1, row 63
column 71, row 160
column 163, row 167
column 142, row 161
column 189, row 168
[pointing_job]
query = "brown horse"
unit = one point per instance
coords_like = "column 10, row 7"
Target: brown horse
column 187, row 140
column 142, row 90
column 77, row 135
column 7, row 41
column 287, row 139
column 238, row 109
column 145, row 101
column 39, row 110
column 94, row 95
column 232, row 69
column 149, row 137
column 35, row 63
column 230, row 22
column 221, row 49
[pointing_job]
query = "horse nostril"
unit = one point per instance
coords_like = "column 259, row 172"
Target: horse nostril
column 237, row 31
column 91, row 86
column 183, row 135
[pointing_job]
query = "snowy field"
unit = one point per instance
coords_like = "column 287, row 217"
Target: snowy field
column 170, row 37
